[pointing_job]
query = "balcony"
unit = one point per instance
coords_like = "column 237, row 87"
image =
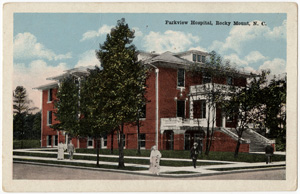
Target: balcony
column 209, row 87
column 178, row 123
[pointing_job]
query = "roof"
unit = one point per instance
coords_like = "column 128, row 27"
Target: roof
column 77, row 72
column 167, row 57
column 47, row 86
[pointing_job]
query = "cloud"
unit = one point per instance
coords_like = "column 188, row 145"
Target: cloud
column 277, row 32
column 239, row 35
column 26, row 46
column 34, row 75
column 138, row 32
column 277, row 66
column 236, row 61
column 105, row 29
column 174, row 41
column 254, row 57
column 88, row 58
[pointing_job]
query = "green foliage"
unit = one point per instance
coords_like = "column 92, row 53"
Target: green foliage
column 22, row 118
column 21, row 103
column 123, row 77
column 273, row 96
column 94, row 121
column 67, row 107
column 19, row 144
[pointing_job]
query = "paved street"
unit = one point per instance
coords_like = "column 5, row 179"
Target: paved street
column 37, row 172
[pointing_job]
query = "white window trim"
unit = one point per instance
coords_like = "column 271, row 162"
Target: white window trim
column 102, row 142
column 53, row 141
column 48, row 101
column 49, row 146
column 143, row 148
column 87, row 143
column 181, row 87
column 48, row 124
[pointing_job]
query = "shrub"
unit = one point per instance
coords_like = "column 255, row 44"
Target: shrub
column 19, row 144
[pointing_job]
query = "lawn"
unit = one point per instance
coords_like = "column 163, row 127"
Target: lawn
column 126, row 160
column 222, row 156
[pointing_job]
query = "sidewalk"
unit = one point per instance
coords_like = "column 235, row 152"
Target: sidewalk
column 164, row 170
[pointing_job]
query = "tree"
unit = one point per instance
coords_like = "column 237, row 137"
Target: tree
column 36, row 128
column 124, row 79
column 212, row 92
column 244, row 105
column 21, row 108
column 273, row 96
column 67, row 107
column 94, row 121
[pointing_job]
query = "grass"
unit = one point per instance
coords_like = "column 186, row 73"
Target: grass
column 17, row 144
column 126, row 160
column 241, row 168
column 83, row 164
column 185, row 154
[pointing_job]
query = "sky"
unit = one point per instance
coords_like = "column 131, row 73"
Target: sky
column 46, row 44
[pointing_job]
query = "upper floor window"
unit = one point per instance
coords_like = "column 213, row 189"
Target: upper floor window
column 49, row 95
column 49, row 117
column 229, row 80
column 180, row 77
column 199, row 109
column 199, row 58
column 194, row 57
column 206, row 78
column 203, row 59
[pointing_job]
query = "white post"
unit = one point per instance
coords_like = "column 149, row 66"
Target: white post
column 156, row 108
column 156, row 104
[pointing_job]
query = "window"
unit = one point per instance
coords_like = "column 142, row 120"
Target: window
column 180, row 77
column 229, row 80
column 180, row 108
column 49, row 95
column 199, row 109
column 55, row 140
column 203, row 59
column 104, row 140
column 143, row 112
column 90, row 142
column 49, row 117
column 206, row 78
column 199, row 58
column 142, row 140
column 49, row 140
column 194, row 57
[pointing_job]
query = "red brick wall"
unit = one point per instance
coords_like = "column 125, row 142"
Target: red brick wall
column 46, row 130
column 178, row 141
column 224, row 143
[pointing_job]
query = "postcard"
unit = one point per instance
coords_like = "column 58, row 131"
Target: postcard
column 139, row 97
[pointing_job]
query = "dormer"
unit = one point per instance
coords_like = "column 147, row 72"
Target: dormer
column 194, row 56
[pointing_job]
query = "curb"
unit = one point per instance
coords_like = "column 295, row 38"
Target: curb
column 148, row 174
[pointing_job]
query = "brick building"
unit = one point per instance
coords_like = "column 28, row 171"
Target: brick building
column 172, row 115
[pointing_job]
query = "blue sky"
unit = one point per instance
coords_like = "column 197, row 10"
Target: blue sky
column 46, row 44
